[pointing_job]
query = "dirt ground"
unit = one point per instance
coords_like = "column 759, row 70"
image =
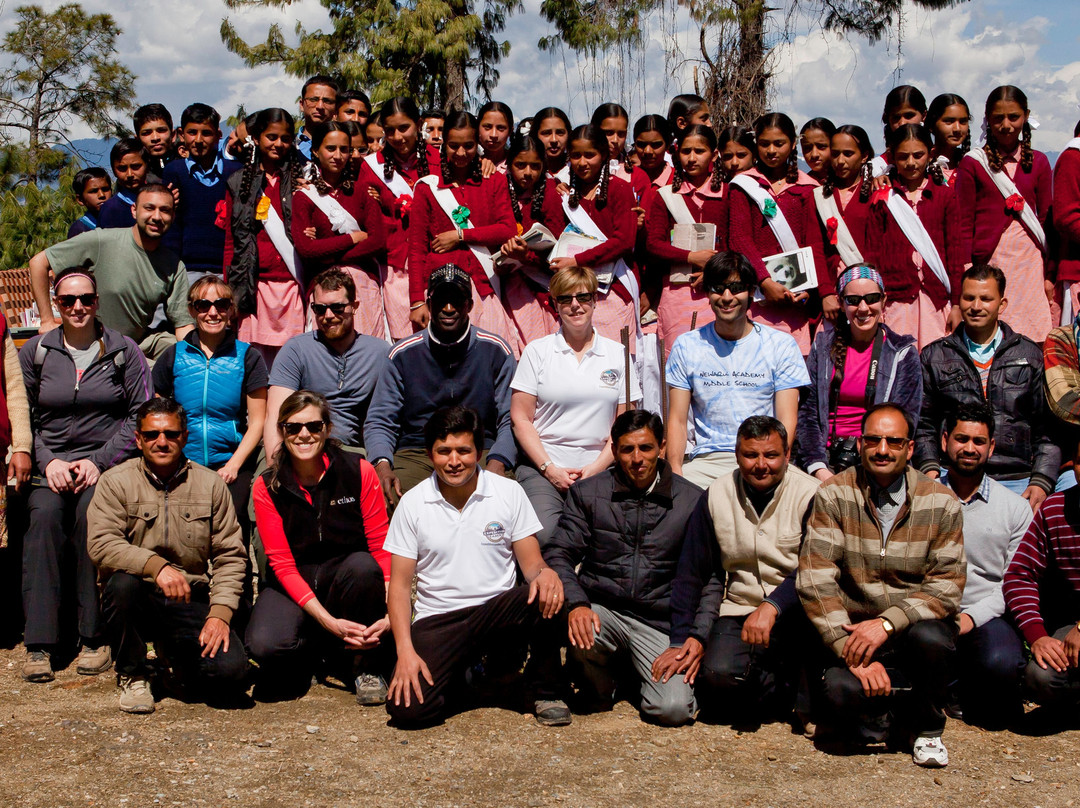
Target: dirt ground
column 67, row 744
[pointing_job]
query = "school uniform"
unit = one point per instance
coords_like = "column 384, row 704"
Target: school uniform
column 1067, row 221
column 854, row 211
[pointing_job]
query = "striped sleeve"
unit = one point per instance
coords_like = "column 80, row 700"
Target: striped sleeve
column 1062, row 376
column 1021, row 585
column 818, row 577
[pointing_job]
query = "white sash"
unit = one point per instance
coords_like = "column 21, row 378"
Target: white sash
column 449, row 203
column 1073, row 144
column 779, row 225
column 562, row 175
column 396, row 184
column 916, row 234
column 1006, row 187
column 340, row 219
column 279, row 237
column 845, row 242
column 676, row 205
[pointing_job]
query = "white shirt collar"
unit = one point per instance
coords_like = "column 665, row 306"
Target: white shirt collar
column 563, row 346
column 433, row 493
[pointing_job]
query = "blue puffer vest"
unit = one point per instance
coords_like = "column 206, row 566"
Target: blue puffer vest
column 212, row 393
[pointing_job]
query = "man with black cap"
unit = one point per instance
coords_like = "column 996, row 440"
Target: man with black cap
column 448, row 363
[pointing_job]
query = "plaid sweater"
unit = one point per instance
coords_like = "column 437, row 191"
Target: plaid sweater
column 1062, row 376
column 848, row 572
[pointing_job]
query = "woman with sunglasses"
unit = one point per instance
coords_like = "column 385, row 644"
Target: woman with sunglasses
column 858, row 363
column 221, row 384
column 568, row 389
column 84, row 383
column 322, row 521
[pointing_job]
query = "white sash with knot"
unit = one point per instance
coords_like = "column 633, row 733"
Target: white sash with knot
column 1006, row 187
column 396, row 184
column 676, row 205
column 279, row 237
column 341, row 221
column 916, row 234
column 449, row 203
column 777, row 223
column 845, row 242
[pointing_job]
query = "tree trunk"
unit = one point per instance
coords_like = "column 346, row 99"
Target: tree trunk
column 751, row 73
column 33, row 153
column 454, row 94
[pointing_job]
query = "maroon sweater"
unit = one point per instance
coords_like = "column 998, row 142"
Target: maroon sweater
column 329, row 248
column 855, row 216
column 1067, row 213
column 492, row 221
column 659, row 224
column 890, row 251
column 616, row 220
column 395, row 220
column 982, row 213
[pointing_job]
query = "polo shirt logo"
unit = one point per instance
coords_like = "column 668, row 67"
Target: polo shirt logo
column 494, row 532
column 343, row 501
column 609, row 377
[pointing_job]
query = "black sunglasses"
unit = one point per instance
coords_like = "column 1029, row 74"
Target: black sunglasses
column 67, row 301
column 871, row 299
column 202, row 305
column 153, row 434
column 293, row 428
column 735, row 287
column 581, row 297
column 891, row 441
column 337, row 308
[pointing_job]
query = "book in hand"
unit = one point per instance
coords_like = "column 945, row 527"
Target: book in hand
column 793, row 270
column 573, row 242
column 692, row 237
column 539, row 239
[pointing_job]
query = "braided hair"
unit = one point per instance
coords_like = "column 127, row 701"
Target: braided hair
column 862, row 140
column 399, row 105
column 937, row 109
column 1007, row 93
column 778, row 120
column 899, row 97
column 523, row 144
column 348, row 175
column 916, row 131
column 257, row 124
column 709, row 136
column 459, row 119
column 611, row 110
column 497, row 107
column 595, row 137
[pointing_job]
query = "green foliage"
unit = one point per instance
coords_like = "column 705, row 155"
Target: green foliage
column 870, row 18
column 62, row 67
column 33, row 217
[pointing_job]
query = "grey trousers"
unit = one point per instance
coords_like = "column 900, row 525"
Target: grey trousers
column 545, row 498
column 670, row 704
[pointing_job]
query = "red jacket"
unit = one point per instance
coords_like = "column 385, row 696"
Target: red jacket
column 618, row 222
column 329, row 248
column 1067, row 213
column 889, row 250
column 394, row 217
column 493, row 224
column 659, row 224
column 855, row 216
column 982, row 213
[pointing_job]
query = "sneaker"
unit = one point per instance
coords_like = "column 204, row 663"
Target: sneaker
column 370, row 689
column 92, row 661
column 930, row 752
column 135, row 695
column 552, row 713
column 38, row 667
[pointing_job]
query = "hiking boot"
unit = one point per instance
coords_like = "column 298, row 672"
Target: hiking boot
column 135, row 695
column 92, row 661
column 38, row 667
column 930, row 752
column 370, row 689
column 552, row 713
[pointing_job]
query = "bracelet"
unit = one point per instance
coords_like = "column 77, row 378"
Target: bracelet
column 415, row 306
column 460, row 235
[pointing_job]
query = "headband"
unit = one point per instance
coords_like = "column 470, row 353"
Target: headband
column 67, row 275
column 861, row 272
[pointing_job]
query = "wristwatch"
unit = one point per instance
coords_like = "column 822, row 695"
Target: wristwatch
column 886, row 624
column 544, row 465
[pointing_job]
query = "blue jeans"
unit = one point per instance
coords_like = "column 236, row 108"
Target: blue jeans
column 991, row 665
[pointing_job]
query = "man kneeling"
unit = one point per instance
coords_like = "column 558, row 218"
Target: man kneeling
column 460, row 533
column 164, row 536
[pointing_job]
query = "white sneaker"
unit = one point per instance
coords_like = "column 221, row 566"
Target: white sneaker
column 135, row 694
column 930, row 752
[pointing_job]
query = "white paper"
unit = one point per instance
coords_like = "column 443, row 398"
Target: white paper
column 692, row 237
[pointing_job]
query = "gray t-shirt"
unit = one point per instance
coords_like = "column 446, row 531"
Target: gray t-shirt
column 131, row 282
column 84, row 357
column 347, row 380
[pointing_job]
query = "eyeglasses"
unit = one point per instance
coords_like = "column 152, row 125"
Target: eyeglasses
column 293, row 428
column 584, row 298
column 151, row 435
column 893, row 442
column 871, row 299
column 337, row 308
column 67, row 301
column 735, row 287
column 202, row 305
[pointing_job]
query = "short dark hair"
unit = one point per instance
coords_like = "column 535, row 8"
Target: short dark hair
column 125, row 146
column 633, row 420
column 354, row 95
column 757, row 427
column 200, row 113
column 977, row 412
column 160, row 405
column 725, row 264
column 320, row 79
column 152, row 188
column 330, row 280
column 888, row 405
column 432, row 113
column 454, row 420
column 82, row 179
column 151, row 112
column 983, row 272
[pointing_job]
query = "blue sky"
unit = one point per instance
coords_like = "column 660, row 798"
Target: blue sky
column 968, row 49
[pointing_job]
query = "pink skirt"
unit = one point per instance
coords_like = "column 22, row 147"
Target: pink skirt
column 789, row 319
column 395, row 300
column 611, row 314
column 279, row 314
column 489, row 314
column 368, row 318
column 678, row 305
column 531, row 318
column 1021, row 260
column 919, row 318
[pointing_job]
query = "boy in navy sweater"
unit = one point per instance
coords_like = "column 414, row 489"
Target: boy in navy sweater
column 198, row 231
column 153, row 126
column 92, row 189
column 130, row 164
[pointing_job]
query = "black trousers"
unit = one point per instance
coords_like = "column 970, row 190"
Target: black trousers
column 447, row 642
column 922, row 656
column 287, row 642
column 1051, row 688
column 137, row 612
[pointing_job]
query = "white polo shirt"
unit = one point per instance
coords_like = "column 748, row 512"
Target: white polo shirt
column 463, row 558
column 575, row 401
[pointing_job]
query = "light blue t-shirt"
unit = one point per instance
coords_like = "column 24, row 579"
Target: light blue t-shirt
column 730, row 381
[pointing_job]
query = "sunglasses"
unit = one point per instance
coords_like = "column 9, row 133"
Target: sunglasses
column 153, row 434
column 202, row 305
column 583, row 298
column 871, row 299
column 67, row 301
column 893, row 442
column 735, row 287
column 337, row 308
column 293, row 428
